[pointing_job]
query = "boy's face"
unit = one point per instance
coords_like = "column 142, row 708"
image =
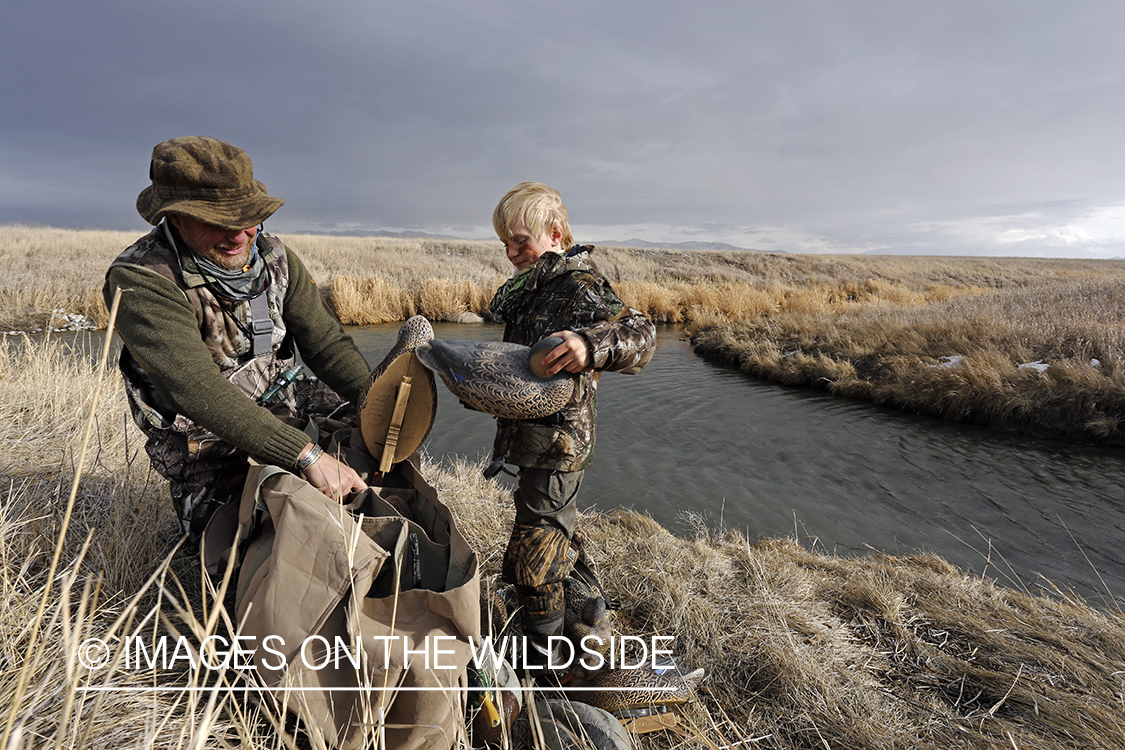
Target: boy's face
column 524, row 248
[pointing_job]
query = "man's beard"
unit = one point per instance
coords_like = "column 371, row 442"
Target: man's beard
column 229, row 262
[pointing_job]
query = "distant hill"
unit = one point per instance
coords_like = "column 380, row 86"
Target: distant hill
column 633, row 242
column 672, row 245
column 380, row 233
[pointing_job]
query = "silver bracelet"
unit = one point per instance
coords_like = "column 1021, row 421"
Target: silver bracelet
column 311, row 458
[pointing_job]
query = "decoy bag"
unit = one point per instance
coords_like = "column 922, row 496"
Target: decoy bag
column 348, row 606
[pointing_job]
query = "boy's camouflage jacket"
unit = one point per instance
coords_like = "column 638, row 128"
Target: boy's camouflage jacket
column 564, row 292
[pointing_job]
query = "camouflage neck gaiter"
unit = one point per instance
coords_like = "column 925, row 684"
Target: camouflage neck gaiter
column 238, row 285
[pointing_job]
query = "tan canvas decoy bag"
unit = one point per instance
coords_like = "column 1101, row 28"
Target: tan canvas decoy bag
column 392, row 571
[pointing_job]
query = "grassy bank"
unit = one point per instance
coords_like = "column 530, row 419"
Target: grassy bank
column 803, row 649
column 1044, row 359
column 379, row 279
column 1029, row 345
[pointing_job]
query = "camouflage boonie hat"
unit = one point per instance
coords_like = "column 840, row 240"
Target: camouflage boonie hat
column 207, row 180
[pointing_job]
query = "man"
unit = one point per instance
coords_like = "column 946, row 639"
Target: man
column 213, row 312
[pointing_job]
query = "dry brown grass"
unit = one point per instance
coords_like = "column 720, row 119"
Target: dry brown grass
column 1043, row 358
column 47, row 273
column 810, row 650
column 392, row 275
column 803, row 649
column 50, row 273
column 867, row 327
column 110, row 546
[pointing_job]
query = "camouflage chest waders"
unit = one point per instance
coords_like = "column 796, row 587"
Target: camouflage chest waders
column 560, row 292
column 205, row 472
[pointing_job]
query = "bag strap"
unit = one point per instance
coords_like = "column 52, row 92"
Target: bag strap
column 261, row 325
column 312, row 430
column 249, row 522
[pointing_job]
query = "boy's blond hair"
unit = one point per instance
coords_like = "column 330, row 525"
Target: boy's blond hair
column 539, row 207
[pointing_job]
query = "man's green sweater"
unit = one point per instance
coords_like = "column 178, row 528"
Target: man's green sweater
column 161, row 330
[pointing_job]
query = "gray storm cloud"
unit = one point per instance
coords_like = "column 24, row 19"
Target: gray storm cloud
column 959, row 127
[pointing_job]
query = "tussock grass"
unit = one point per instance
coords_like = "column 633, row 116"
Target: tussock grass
column 809, row 650
column 1043, row 360
column 803, row 649
column 369, row 301
column 868, row 327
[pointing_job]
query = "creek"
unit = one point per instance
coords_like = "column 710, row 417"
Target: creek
column 689, row 442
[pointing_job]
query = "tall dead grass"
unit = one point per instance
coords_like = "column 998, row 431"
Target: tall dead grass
column 373, row 300
column 1041, row 359
column 111, row 546
column 367, row 279
column 46, row 274
column 803, row 649
column 951, row 337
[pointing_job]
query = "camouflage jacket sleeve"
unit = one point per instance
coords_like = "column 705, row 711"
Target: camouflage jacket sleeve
column 624, row 343
column 621, row 339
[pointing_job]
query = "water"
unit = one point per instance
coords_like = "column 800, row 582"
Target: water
column 690, row 436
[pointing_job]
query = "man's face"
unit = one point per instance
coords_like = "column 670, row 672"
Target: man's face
column 230, row 248
column 524, row 248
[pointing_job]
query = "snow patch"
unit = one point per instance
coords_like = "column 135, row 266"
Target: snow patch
column 1039, row 366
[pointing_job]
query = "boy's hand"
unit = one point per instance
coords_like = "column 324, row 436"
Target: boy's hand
column 572, row 355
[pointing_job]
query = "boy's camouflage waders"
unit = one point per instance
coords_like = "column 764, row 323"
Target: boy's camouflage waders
column 559, row 292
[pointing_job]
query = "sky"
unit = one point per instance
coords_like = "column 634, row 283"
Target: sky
column 961, row 127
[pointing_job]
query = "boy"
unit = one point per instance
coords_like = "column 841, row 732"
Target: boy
column 555, row 292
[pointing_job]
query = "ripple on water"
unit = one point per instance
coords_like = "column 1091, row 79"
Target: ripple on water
column 687, row 434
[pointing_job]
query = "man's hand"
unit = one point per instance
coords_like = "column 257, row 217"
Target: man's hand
column 572, row 355
column 334, row 478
